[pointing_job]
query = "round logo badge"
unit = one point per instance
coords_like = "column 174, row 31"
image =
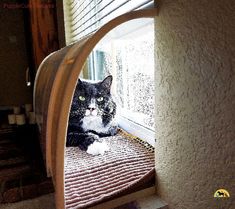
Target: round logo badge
column 221, row 193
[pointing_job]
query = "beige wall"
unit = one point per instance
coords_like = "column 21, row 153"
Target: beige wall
column 195, row 102
column 13, row 58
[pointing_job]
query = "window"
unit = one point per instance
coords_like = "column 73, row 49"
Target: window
column 128, row 56
column 126, row 52
column 83, row 17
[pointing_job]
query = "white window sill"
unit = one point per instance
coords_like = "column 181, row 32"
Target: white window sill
column 136, row 130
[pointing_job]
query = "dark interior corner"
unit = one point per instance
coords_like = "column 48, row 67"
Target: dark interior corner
column 28, row 34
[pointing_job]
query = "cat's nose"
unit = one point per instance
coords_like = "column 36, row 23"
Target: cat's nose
column 91, row 111
column 91, row 108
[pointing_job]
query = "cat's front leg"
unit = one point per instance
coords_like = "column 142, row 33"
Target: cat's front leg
column 89, row 142
column 81, row 140
column 98, row 147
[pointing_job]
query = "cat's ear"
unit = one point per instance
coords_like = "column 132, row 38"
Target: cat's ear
column 107, row 82
column 79, row 82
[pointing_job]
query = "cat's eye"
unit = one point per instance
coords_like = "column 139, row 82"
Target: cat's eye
column 81, row 98
column 100, row 99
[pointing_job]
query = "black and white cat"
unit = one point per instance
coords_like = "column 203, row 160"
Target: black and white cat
column 92, row 116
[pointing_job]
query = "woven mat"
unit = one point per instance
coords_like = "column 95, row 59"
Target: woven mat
column 92, row 179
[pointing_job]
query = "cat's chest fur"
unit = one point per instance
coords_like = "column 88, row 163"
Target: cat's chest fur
column 94, row 123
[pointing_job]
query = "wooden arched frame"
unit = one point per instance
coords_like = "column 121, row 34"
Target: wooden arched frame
column 54, row 87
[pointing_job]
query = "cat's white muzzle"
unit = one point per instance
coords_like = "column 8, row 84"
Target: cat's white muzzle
column 91, row 112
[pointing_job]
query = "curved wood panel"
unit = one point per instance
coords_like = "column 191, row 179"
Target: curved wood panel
column 45, row 77
column 54, row 88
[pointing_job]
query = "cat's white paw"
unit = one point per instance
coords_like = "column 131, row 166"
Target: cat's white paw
column 97, row 148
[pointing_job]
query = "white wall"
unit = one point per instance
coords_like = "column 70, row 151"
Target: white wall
column 195, row 102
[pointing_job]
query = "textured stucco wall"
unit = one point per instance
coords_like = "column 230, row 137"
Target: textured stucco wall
column 195, row 102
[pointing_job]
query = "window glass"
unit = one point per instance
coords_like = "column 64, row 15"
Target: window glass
column 127, row 53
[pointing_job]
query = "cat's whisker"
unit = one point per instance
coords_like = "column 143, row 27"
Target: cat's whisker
column 78, row 112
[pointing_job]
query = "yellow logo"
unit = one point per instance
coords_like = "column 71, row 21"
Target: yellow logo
column 221, row 193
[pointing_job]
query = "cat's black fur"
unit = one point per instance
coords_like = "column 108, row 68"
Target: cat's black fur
column 82, row 137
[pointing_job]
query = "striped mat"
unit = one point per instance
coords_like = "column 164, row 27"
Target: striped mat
column 92, row 179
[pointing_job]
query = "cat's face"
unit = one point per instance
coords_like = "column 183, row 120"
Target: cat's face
column 92, row 99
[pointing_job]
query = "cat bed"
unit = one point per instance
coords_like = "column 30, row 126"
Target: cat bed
column 54, row 86
column 89, row 180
